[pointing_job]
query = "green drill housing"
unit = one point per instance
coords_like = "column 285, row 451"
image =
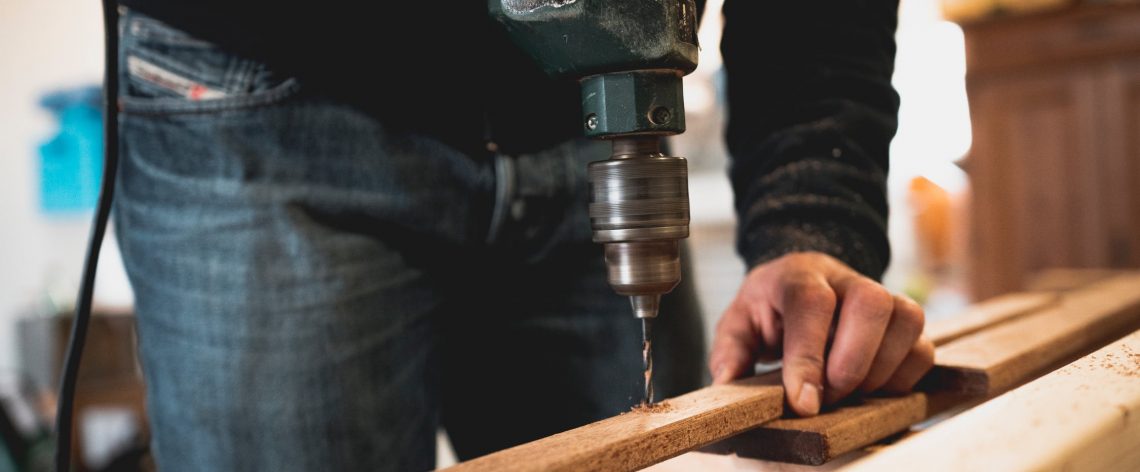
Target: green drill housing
column 629, row 56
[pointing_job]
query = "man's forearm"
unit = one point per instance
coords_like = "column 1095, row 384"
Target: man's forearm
column 811, row 116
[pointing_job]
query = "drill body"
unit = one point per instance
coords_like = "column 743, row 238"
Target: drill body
column 629, row 57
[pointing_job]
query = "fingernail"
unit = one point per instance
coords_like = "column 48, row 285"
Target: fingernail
column 809, row 398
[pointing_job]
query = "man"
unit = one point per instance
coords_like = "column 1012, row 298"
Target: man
column 347, row 228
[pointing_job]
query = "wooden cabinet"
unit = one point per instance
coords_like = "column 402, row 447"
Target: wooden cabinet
column 1123, row 158
column 1055, row 162
column 108, row 376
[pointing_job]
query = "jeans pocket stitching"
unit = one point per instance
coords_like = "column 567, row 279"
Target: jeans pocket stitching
column 152, row 30
column 177, row 105
column 234, row 79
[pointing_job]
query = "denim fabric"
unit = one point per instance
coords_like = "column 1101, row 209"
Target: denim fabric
column 319, row 290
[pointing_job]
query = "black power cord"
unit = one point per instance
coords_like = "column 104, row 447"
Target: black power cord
column 65, row 408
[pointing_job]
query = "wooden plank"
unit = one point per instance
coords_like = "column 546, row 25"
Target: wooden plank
column 646, row 436
column 1102, row 307
column 1085, row 416
column 818, row 439
column 988, row 313
column 997, row 359
column 857, row 423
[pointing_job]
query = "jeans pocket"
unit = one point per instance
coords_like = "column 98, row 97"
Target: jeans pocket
column 164, row 70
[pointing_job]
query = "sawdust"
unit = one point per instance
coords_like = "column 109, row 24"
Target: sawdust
column 659, row 407
column 1129, row 366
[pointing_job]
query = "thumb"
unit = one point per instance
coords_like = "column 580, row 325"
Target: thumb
column 803, row 380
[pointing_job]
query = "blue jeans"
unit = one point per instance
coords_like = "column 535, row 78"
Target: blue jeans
column 319, row 290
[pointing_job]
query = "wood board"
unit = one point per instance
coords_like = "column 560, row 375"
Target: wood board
column 646, row 436
column 818, row 439
column 989, row 313
column 850, row 426
column 1085, row 416
column 997, row 359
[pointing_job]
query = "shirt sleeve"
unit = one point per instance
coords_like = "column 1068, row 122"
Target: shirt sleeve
column 811, row 113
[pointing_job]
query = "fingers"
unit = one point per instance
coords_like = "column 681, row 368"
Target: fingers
column 806, row 303
column 747, row 330
column 917, row 363
column 863, row 321
column 903, row 330
column 735, row 342
column 789, row 304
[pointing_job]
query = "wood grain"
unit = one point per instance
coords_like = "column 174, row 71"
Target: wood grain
column 1103, row 307
column 1085, row 416
column 646, row 436
column 995, row 360
column 988, row 313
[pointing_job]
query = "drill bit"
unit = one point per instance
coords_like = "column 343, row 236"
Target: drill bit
column 647, row 358
column 646, row 307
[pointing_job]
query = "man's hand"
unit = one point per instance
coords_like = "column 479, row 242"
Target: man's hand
column 787, row 305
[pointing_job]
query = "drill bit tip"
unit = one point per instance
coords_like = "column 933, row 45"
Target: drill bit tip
column 647, row 358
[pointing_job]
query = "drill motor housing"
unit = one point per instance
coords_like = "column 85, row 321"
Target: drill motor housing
column 629, row 57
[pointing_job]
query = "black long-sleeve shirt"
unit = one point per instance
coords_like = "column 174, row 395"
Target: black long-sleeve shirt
column 811, row 108
column 811, row 116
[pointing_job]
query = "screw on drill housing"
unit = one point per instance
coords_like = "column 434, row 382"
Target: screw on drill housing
column 660, row 115
column 592, row 122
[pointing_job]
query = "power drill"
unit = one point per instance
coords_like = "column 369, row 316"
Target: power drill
column 629, row 57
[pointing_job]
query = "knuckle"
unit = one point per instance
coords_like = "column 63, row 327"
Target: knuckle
column 879, row 295
column 873, row 300
column 808, row 293
column 910, row 314
column 725, row 334
column 737, row 308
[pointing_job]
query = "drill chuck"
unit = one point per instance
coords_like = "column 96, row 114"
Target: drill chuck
column 639, row 210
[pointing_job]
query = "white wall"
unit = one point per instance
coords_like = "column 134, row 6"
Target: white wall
column 44, row 45
column 934, row 132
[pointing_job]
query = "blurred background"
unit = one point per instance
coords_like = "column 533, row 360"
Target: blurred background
column 1018, row 150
